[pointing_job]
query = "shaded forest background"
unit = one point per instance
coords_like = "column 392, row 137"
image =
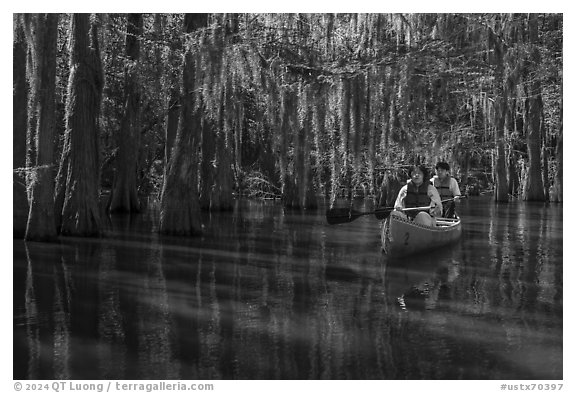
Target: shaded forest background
column 195, row 110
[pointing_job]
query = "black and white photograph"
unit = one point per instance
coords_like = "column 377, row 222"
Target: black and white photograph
column 274, row 196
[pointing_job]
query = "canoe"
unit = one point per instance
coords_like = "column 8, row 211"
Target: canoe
column 401, row 236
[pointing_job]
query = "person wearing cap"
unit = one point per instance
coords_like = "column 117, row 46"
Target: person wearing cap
column 418, row 193
column 447, row 187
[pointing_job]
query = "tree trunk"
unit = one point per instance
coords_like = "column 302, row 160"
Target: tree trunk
column 534, row 188
column 319, row 135
column 297, row 198
column 345, row 134
column 221, row 197
column 19, row 120
column 43, row 30
column 173, row 112
column 289, row 123
column 180, row 207
column 32, row 116
column 207, row 171
column 513, row 178
column 172, row 123
column 556, row 194
column 501, row 187
column 173, row 107
column 545, row 172
column 124, row 197
column 335, row 165
column 78, row 178
column 308, row 194
column 304, row 197
column 500, row 104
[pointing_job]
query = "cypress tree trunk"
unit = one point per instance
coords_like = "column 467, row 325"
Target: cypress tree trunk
column 269, row 161
column 390, row 115
column 319, row 135
column 283, row 140
column 335, row 164
column 217, row 175
column 172, row 123
column 124, row 197
column 304, row 195
column 298, row 181
column 501, row 191
column 308, row 194
column 207, row 167
column 43, row 35
column 32, row 116
column 370, row 130
column 180, row 207
column 357, row 104
column 221, row 197
column 534, row 188
column 173, row 109
column 513, row 177
column 19, row 120
column 160, row 68
column 78, row 177
column 345, row 134
column 556, row 195
column 289, row 121
column 500, row 104
column 545, row 174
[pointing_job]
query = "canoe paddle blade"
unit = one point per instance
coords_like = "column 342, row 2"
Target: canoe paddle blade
column 345, row 215
column 342, row 215
column 383, row 214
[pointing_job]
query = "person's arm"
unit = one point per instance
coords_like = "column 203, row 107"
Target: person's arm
column 399, row 204
column 454, row 187
column 436, row 202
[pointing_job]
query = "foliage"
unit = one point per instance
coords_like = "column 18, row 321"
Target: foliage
column 355, row 92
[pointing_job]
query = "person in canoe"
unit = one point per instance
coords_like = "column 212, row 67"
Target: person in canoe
column 418, row 193
column 447, row 187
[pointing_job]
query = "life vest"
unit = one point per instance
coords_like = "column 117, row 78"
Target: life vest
column 417, row 196
column 443, row 187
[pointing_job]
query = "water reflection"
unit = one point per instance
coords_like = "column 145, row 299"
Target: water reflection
column 271, row 294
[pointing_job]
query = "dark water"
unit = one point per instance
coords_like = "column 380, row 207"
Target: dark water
column 268, row 294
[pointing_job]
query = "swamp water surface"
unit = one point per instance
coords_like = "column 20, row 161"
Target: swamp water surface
column 272, row 294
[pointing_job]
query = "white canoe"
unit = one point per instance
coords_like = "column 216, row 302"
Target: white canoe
column 401, row 236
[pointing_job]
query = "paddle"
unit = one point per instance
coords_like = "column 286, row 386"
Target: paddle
column 345, row 215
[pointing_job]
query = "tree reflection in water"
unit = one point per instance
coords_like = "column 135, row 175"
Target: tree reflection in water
column 272, row 294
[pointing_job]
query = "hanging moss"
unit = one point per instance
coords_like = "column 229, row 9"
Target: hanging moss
column 394, row 86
